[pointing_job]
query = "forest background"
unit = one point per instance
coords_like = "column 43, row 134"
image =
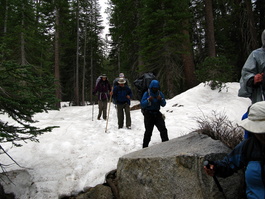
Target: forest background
column 184, row 42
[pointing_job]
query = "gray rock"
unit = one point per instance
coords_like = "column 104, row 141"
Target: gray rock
column 174, row 169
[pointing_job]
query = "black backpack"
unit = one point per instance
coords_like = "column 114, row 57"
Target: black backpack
column 142, row 84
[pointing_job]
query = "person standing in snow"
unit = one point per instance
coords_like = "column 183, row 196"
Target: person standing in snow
column 252, row 81
column 248, row 154
column 151, row 101
column 103, row 89
column 122, row 96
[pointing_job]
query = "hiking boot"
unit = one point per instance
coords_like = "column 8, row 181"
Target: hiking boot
column 129, row 127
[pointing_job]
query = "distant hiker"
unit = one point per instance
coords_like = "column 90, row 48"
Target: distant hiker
column 122, row 95
column 248, row 155
column 115, row 81
column 103, row 89
column 150, row 103
column 252, row 82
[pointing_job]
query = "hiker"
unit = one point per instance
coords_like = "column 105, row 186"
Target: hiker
column 115, row 81
column 103, row 89
column 151, row 101
column 248, row 155
column 252, row 81
column 122, row 96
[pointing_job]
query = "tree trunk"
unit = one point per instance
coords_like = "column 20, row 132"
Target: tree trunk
column 22, row 38
column 251, row 25
column 84, row 65
column 188, row 62
column 76, row 99
column 210, row 40
column 56, row 59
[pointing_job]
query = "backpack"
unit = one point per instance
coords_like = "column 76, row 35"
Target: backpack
column 97, row 80
column 142, row 84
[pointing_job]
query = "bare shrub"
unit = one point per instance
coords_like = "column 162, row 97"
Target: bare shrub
column 218, row 127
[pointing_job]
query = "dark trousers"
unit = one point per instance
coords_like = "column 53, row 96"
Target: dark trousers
column 152, row 119
column 102, row 107
column 121, row 108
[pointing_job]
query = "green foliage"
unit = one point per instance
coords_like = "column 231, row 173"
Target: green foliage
column 24, row 91
column 215, row 71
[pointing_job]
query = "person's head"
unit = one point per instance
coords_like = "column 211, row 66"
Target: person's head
column 121, row 75
column 263, row 38
column 154, row 85
column 103, row 77
column 121, row 82
column 255, row 123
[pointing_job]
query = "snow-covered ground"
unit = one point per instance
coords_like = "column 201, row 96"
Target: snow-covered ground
column 80, row 152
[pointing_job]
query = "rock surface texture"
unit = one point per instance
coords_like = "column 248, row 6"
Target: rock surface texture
column 174, row 169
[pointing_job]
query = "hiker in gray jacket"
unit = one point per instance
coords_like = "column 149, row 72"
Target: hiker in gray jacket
column 252, row 82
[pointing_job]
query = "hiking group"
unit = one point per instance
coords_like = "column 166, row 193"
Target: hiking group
column 149, row 95
column 249, row 154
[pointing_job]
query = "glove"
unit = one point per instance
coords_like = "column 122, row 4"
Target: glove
column 209, row 168
column 159, row 97
column 150, row 98
column 258, row 78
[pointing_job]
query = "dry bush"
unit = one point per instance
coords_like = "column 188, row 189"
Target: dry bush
column 218, row 127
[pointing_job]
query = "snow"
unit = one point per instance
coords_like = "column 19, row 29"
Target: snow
column 80, row 153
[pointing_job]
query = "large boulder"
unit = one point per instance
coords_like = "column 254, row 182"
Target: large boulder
column 174, row 169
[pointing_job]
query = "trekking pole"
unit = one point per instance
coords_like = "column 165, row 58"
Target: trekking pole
column 207, row 164
column 93, row 110
column 108, row 115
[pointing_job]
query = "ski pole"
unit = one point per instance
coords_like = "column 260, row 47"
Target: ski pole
column 93, row 110
column 207, row 164
column 108, row 114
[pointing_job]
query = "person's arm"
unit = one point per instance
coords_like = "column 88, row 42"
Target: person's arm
column 95, row 90
column 144, row 100
column 229, row 165
column 161, row 99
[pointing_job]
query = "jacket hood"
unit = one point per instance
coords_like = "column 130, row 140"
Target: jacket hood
column 154, row 84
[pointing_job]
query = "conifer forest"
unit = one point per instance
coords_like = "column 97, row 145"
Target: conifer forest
column 53, row 50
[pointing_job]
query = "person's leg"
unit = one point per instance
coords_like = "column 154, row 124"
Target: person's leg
column 100, row 108
column 104, row 107
column 161, row 126
column 120, row 115
column 128, row 115
column 149, row 126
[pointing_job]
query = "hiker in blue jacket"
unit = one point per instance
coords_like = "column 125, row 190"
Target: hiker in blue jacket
column 151, row 101
column 122, row 96
column 249, row 154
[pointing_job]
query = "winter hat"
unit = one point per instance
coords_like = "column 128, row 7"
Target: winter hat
column 154, row 84
column 122, row 81
column 121, row 75
column 103, row 75
column 255, row 123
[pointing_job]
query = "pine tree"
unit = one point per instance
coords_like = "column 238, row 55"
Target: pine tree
column 24, row 91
